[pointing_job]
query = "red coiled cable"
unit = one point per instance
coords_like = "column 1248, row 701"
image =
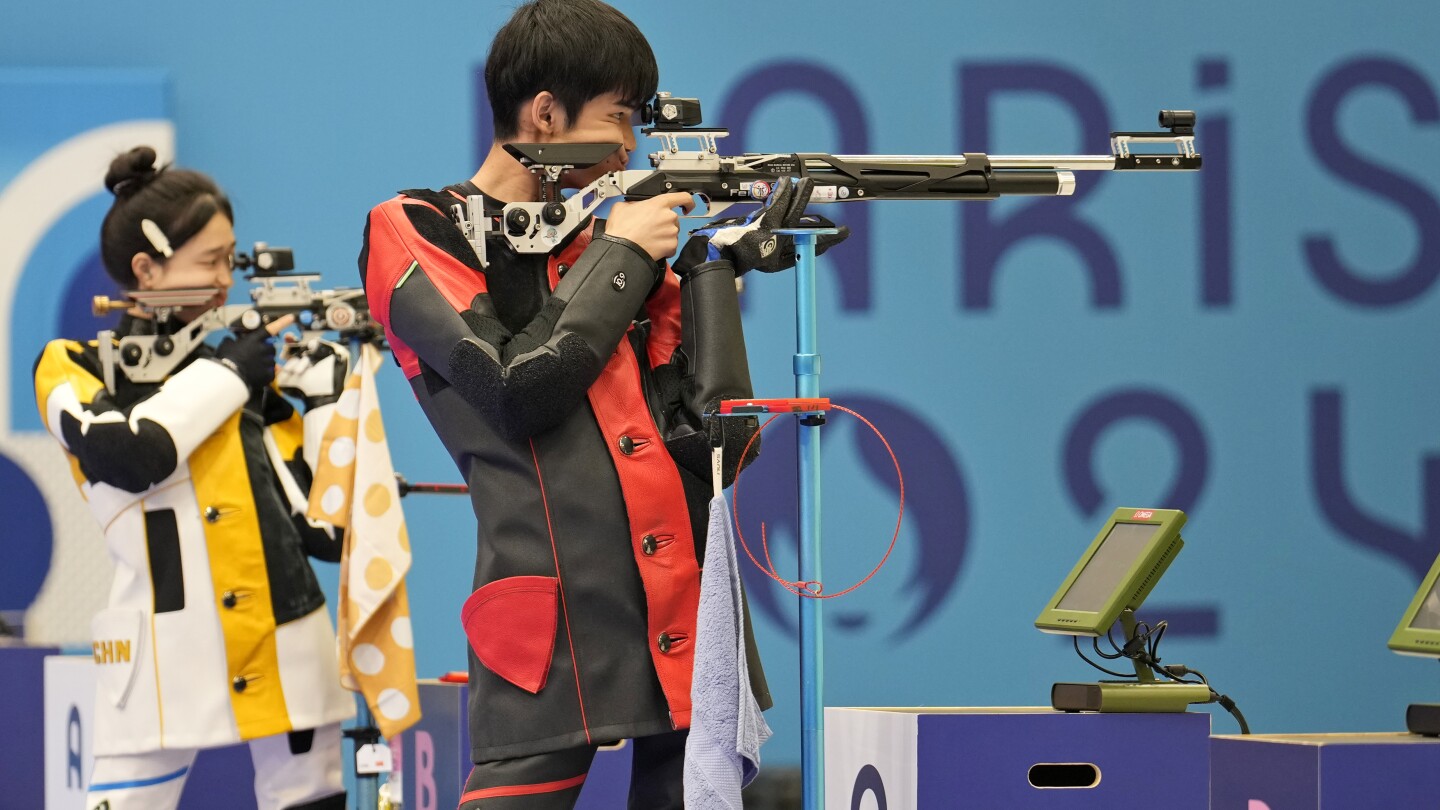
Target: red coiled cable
column 813, row 589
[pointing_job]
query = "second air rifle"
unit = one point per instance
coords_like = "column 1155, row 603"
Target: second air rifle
column 275, row 291
column 540, row 226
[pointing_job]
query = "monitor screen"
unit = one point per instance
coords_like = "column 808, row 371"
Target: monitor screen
column 1096, row 584
column 1427, row 616
column 1419, row 629
column 1117, row 570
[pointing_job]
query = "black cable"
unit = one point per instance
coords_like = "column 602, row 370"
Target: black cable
column 1176, row 672
column 1182, row 670
column 1144, row 648
column 1110, row 637
column 1155, row 640
column 1229, row 705
column 1095, row 643
column 1076, row 639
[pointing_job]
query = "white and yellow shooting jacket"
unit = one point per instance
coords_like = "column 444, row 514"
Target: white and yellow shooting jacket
column 215, row 630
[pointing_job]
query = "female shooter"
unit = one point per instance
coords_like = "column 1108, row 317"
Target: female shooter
column 215, row 631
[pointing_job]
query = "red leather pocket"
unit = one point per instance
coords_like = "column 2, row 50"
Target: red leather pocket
column 511, row 626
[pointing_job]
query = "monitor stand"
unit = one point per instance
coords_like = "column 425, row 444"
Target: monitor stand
column 1423, row 718
column 1145, row 694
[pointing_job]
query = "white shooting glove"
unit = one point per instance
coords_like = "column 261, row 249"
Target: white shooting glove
column 314, row 371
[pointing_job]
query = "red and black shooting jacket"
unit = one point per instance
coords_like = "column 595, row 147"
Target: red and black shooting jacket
column 568, row 389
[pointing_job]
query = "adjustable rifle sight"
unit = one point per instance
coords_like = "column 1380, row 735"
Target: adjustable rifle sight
column 264, row 260
column 668, row 112
column 1180, row 122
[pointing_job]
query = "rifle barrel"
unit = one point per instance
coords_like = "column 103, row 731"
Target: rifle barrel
column 900, row 185
column 1058, row 162
column 1069, row 163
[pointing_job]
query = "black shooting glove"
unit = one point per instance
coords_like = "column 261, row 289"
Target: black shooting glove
column 750, row 242
column 251, row 356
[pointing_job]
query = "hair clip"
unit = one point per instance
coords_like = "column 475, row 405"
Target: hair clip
column 157, row 237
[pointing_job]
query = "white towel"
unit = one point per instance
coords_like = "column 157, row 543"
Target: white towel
column 722, row 754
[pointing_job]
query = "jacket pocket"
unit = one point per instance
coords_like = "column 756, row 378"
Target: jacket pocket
column 511, row 624
column 167, row 574
column 117, row 642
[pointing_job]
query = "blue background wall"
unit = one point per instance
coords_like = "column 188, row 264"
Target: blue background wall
column 1254, row 344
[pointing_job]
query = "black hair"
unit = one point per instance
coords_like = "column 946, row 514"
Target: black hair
column 182, row 202
column 577, row 49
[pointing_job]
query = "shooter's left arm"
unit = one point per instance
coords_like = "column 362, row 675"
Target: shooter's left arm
column 711, row 361
column 315, row 374
column 709, row 365
column 320, row 540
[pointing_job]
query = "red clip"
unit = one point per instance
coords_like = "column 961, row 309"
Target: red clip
column 455, row 676
column 783, row 405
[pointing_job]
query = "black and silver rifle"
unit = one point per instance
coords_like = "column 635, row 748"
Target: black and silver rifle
column 538, row 227
column 275, row 292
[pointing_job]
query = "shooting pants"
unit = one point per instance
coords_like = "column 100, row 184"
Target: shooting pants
column 295, row 771
column 553, row 781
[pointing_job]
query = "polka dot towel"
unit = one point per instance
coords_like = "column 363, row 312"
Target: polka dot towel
column 355, row 489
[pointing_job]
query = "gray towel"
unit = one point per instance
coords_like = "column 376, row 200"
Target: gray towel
column 722, row 754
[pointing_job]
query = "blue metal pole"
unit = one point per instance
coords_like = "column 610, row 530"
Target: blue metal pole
column 812, row 648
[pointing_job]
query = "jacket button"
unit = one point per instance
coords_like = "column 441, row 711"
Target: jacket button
column 562, row 270
column 211, row 514
column 228, row 599
column 239, row 683
column 627, row 445
column 663, row 642
column 647, row 544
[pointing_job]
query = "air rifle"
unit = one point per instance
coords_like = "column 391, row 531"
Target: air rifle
column 538, row 227
column 275, row 292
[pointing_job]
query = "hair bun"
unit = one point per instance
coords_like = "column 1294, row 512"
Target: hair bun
column 131, row 171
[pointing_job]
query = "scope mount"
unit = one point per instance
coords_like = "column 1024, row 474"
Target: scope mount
column 1179, row 130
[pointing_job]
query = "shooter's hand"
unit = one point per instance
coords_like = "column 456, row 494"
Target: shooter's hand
column 750, row 242
column 251, row 355
column 314, row 370
column 652, row 224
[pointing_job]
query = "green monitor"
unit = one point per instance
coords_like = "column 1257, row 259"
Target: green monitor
column 1116, row 572
column 1419, row 634
column 1419, row 630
